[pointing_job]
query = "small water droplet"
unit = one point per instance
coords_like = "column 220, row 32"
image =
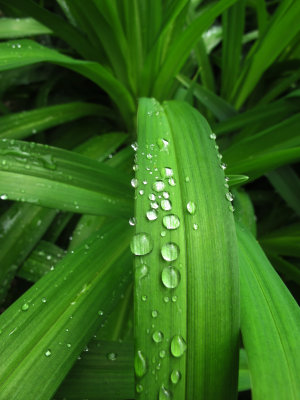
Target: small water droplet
column 162, row 144
column 69, row 345
column 166, row 299
column 191, row 207
column 112, row 356
column 178, row 346
column 170, row 277
column 141, row 192
column 164, row 394
column 132, row 221
column 154, row 314
column 170, row 251
column 4, row 197
column 144, row 298
column 163, row 233
column 166, row 172
column 157, row 336
column 174, row 299
column 141, row 244
column 213, row 136
column 187, row 179
column 162, row 354
column 175, row 376
column 151, row 196
column 134, row 182
column 172, row 182
column 166, row 195
column 229, row 196
column 25, row 307
column 44, row 300
column 158, row 186
column 135, row 167
column 171, row 221
column 142, row 271
column 139, row 388
column 223, row 166
column 154, row 205
column 231, row 208
column 195, row 227
column 151, row 215
column 166, row 205
column 100, row 312
column 134, row 145
column 48, row 353
column 140, row 365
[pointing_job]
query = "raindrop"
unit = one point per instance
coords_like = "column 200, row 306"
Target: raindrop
column 149, row 156
column 229, row 196
column 162, row 354
column 166, row 172
column 134, row 182
column 25, row 307
column 145, row 182
column 174, row 299
column 139, row 388
column 151, row 215
column 132, row 221
column 166, row 195
column 175, row 376
column 164, row 394
column 162, row 144
column 4, row 197
column 170, row 251
column 141, row 244
column 144, row 298
column 178, row 346
column 172, row 182
column 134, row 145
column 213, row 136
column 151, row 196
column 44, row 300
column 171, row 221
column 231, row 208
column 100, row 312
column 112, row 356
column 223, row 166
column 142, row 271
column 48, row 353
column 166, row 299
column 163, row 233
column 154, row 314
column 166, row 205
column 140, row 365
column 154, row 205
column 69, row 345
column 157, row 336
column 158, row 186
column 170, row 277
column 191, row 207
column 195, row 227
column 135, row 167
column 141, row 192
column 187, row 179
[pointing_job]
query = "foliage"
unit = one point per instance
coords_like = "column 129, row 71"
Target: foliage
column 184, row 92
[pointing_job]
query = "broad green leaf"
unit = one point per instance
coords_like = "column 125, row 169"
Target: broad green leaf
column 244, row 212
column 45, row 330
column 285, row 268
column 219, row 107
column 21, row 227
column 21, row 27
column 185, row 260
column 25, row 123
column 180, row 50
column 287, row 183
column 61, row 179
column 26, row 52
column 44, row 257
column 270, row 323
column 284, row 241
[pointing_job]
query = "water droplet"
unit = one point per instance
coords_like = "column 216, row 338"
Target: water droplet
column 172, row 182
column 141, row 244
column 142, row 271
column 170, row 251
column 178, row 346
column 231, row 208
column 213, row 136
column 100, row 312
column 166, row 299
column 134, row 145
column 4, row 197
column 151, row 215
column 112, row 356
column 151, row 196
column 223, row 166
column 162, row 144
column 171, row 221
column 141, row 192
column 135, row 167
column 187, row 179
column 132, row 221
column 158, row 186
column 44, row 300
column 170, row 277
column 175, row 376
column 195, row 227
column 191, row 207
column 157, row 336
column 69, row 345
column 134, row 183
column 139, row 388
column 164, row 394
column 162, row 354
column 140, row 365
column 25, row 307
column 229, row 196
column 163, row 233
column 154, row 314
column 144, row 298
column 166, row 172
column 154, row 205
column 174, row 299
column 227, row 178
column 166, row 205
column 48, row 353
column 166, row 195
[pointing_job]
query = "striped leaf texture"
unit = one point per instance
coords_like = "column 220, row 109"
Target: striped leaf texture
column 186, row 269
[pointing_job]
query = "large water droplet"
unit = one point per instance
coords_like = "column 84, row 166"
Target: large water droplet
column 171, row 221
column 134, row 182
column 166, row 205
column 25, row 307
column 178, row 346
column 158, row 186
column 175, row 376
column 151, row 215
column 170, row 251
column 140, row 365
column 164, row 394
column 170, row 277
column 191, row 207
column 141, row 244
column 157, row 336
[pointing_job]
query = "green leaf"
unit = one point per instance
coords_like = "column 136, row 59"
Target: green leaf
column 283, row 241
column 62, row 179
column 234, row 180
column 44, row 257
column 244, row 376
column 16, row 27
column 25, row 123
column 186, row 271
column 21, row 227
column 270, row 322
column 48, row 327
column 27, row 52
